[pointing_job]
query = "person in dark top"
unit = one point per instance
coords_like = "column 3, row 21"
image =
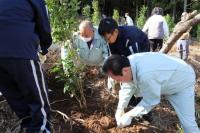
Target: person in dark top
column 24, row 27
column 124, row 40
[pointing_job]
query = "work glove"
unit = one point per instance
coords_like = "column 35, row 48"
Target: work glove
column 42, row 58
column 111, row 84
column 118, row 115
column 124, row 121
column 63, row 53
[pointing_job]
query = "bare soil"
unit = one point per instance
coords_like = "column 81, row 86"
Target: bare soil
column 98, row 117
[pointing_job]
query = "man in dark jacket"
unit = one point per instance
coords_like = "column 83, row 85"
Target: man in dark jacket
column 24, row 27
column 123, row 40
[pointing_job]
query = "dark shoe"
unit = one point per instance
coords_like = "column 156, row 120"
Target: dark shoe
column 148, row 117
column 22, row 130
column 134, row 101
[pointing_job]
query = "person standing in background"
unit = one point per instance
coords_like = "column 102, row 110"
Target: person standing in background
column 129, row 20
column 156, row 28
column 184, row 41
column 24, row 26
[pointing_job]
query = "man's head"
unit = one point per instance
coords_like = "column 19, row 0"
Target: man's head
column 118, row 67
column 86, row 30
column 157, row 11
column 108, row 28
column 126, row 14
column 184, row 16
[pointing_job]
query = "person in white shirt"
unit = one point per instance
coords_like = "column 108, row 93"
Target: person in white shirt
column 156, row 27
column 129, row 20
column 151, row 75
column 184, row 41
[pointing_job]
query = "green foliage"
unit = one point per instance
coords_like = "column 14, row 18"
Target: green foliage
column 116, row 15
column 193, row 31
column 166, row 5
column 140, row 21
column 198, row 32
column 180, row 130
column 170, row 22
column 96, row 17
column 63, row 18
column 70, row 73
column 87, row 11
column 195, row 5
column 64, row 21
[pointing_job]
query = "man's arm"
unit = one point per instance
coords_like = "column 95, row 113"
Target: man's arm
column 151, row 93
column 126, row 92
column 142, row 41
column 75, row 40
column 105, row 49
column 42, row 24
column 165, row 28
column 146, row 26
column 145, row 44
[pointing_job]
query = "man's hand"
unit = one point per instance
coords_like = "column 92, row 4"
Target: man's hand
column 124, row 121
column 95, row 71
column 42, row 58
column 118, row 115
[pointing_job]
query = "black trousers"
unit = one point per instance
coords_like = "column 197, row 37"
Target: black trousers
column 22, row 84
column 156, row 44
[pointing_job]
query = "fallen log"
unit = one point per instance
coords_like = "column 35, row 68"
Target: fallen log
column 181, row 27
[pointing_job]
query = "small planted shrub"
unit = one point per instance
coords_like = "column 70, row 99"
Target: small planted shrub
column 140, row 21
column 96, row 17
column 116, row 15
column 170, row 23
column 86, row 12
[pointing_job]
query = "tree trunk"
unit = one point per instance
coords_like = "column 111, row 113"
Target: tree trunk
column 173, row 11
column 185, row 6
column 137, row 9
column 149, row 5
column 180, row 28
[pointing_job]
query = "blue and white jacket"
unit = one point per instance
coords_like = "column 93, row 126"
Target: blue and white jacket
column 24, row 26
column 130, row 40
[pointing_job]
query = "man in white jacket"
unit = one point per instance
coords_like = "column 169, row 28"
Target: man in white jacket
column 151, row 75
column 129, row 20
column 156, row 27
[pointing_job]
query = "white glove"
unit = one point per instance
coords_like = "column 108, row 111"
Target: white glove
column 111, row 83
column 42, row 58
column 124, row 121
column 125, row 94
column 118, row 114
column 63, row 53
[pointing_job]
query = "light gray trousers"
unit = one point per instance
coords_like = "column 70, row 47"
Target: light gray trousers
column 183, row 103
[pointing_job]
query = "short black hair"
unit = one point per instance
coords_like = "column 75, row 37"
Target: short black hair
column 115, row 64
column 107, row 25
